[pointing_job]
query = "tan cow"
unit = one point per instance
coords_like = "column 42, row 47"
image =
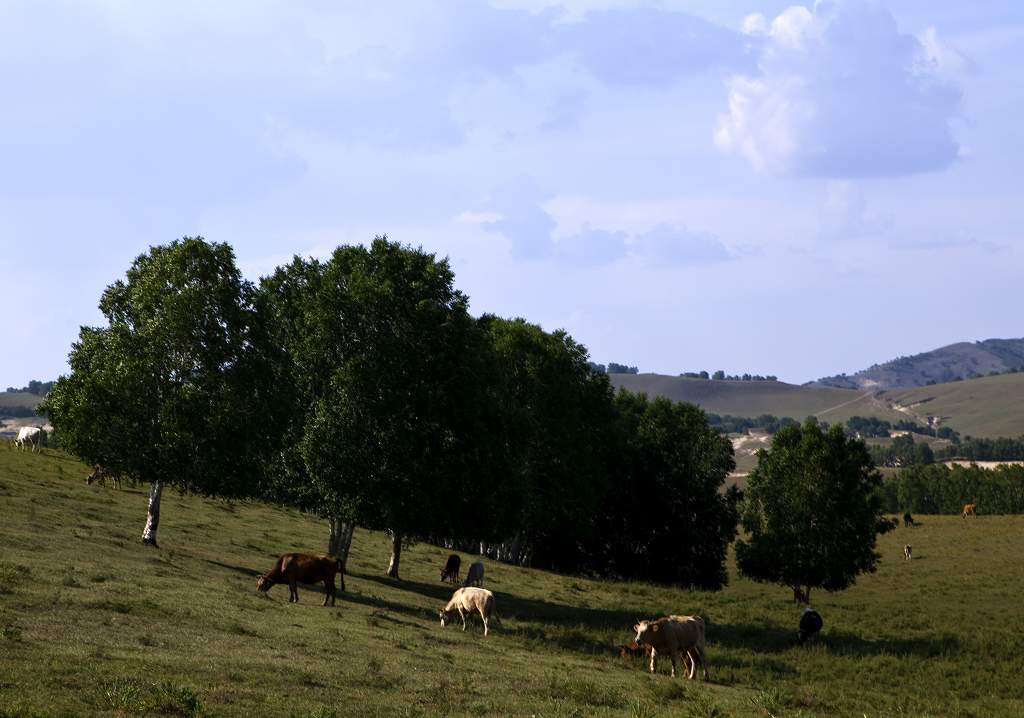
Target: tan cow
column 677, row 636
column 467, row 600
column 969, row 510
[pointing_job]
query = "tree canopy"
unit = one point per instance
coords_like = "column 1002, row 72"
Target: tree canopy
column 813, row 511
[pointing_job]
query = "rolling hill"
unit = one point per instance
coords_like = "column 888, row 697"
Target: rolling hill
column 961, row 360
column 985, row 406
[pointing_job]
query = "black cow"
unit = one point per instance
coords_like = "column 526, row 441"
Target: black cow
column 450, row 572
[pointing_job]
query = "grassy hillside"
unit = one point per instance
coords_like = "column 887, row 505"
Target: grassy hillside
column 963, row 359
column 986, row 406
column 93, row 623
column 751, row 398
column 18, row 399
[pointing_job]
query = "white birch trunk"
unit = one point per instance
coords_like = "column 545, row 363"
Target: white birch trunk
column 396, row 553
column 153, row 515
column 340, row 540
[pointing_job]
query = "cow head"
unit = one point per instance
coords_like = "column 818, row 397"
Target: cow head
column 263, row 584
column 444, row 616
column 644, row 631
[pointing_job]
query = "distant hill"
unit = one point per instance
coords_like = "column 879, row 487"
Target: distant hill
column 18, row 403
column 752, row 398
column 956, row 361
column 983, row 407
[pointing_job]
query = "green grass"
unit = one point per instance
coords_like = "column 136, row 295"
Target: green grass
column 93, row 623
column 985, row 406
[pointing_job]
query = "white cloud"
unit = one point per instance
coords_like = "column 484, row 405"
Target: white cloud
column 841, row 92
column 844, row 213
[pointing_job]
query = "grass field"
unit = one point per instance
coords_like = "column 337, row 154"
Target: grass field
column 986, row 406
column 93, row 623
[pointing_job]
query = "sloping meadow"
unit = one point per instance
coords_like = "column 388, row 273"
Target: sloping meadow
column 92, row 622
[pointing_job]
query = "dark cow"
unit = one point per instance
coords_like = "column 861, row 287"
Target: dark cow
column 810, row 623
column 296, row 568
column 908, row 520
column 450, row 572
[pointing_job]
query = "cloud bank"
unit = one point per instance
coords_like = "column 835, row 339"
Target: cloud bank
column 841, row 92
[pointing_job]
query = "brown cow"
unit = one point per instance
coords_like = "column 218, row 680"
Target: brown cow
column 100, row 476
column 296, row 568
column 970, row 510
column 677, row 636
column 450, row 572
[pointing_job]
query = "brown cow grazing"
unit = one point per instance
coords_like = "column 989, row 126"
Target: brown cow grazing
column 100, row 476
column 907, row 551
column 970, row 510
column 677, row 636
column 450, row 572
column 296, row 568
column 466, row 601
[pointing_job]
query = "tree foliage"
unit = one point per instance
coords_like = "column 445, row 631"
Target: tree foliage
column 813, row 511
column 170, row 390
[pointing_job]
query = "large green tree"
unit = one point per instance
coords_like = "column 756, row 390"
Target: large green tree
column 813, row 511
column 386, row 365
column 170, row 391
column 667, row 517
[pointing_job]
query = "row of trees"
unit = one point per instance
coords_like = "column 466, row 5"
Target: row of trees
column 360, row 389
column 942, row 489
column 904, row 451
column 39, row 388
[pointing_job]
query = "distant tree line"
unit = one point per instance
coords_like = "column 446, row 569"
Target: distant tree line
column 39, row 388
column 944, row 489
column 613, row 368
column 728, row 424
column 874, row 427
column 722, row 376
column 904, row 451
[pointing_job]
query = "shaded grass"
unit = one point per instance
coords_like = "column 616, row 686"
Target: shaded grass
column 92, row 622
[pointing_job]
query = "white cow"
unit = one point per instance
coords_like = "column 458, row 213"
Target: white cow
column 29, row 436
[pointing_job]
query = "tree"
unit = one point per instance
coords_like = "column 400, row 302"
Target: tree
column 380, row 348
column 813, row 511
column 718, row 375
column 169, row 392
column 666, row 518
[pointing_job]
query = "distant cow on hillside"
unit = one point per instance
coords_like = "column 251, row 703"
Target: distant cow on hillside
column 969, row 510
column 30, row 437
column 907, row 552
column 678, row 636
column 475, row 574
column 810, row 624
column 100, row 476
column 450, row 572
column 908, row 520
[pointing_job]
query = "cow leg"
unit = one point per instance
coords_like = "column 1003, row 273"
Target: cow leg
column 484, row 619
column 329, row 591
column 293, row 592
column 462, row 615
column 653, row 654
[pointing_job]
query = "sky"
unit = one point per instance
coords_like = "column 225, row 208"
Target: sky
column 753, row 186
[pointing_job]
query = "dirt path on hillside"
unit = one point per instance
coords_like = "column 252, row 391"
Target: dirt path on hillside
column 866, row 395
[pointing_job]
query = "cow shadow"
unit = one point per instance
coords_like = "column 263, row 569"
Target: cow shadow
column 777, row 639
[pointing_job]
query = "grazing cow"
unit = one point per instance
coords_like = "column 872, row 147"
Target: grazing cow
column 296, row 568
column 29, row 436
column 970, row 510
column 907, row 551
column 677, row 636
column 810, row 623
column 799, row 596
column 908, row 520
column 466, row 601
column 475, row 574
column 100, row 476
column 450, row 572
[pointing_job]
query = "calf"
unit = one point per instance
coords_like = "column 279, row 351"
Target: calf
column 907, row 551
column 970, row 510
column 100, row 476
column 296, row 568
column 465, row 601
column 475, row 574
column 677, row 636
column 450, row 572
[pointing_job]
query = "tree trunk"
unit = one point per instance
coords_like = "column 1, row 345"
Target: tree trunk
column 396, row 553
column 153, row 517
column 340, row 540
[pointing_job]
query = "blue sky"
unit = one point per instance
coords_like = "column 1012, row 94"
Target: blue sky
column 754, row 186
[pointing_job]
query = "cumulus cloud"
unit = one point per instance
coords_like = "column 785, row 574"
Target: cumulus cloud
column 841, row 92
column 667, row 244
